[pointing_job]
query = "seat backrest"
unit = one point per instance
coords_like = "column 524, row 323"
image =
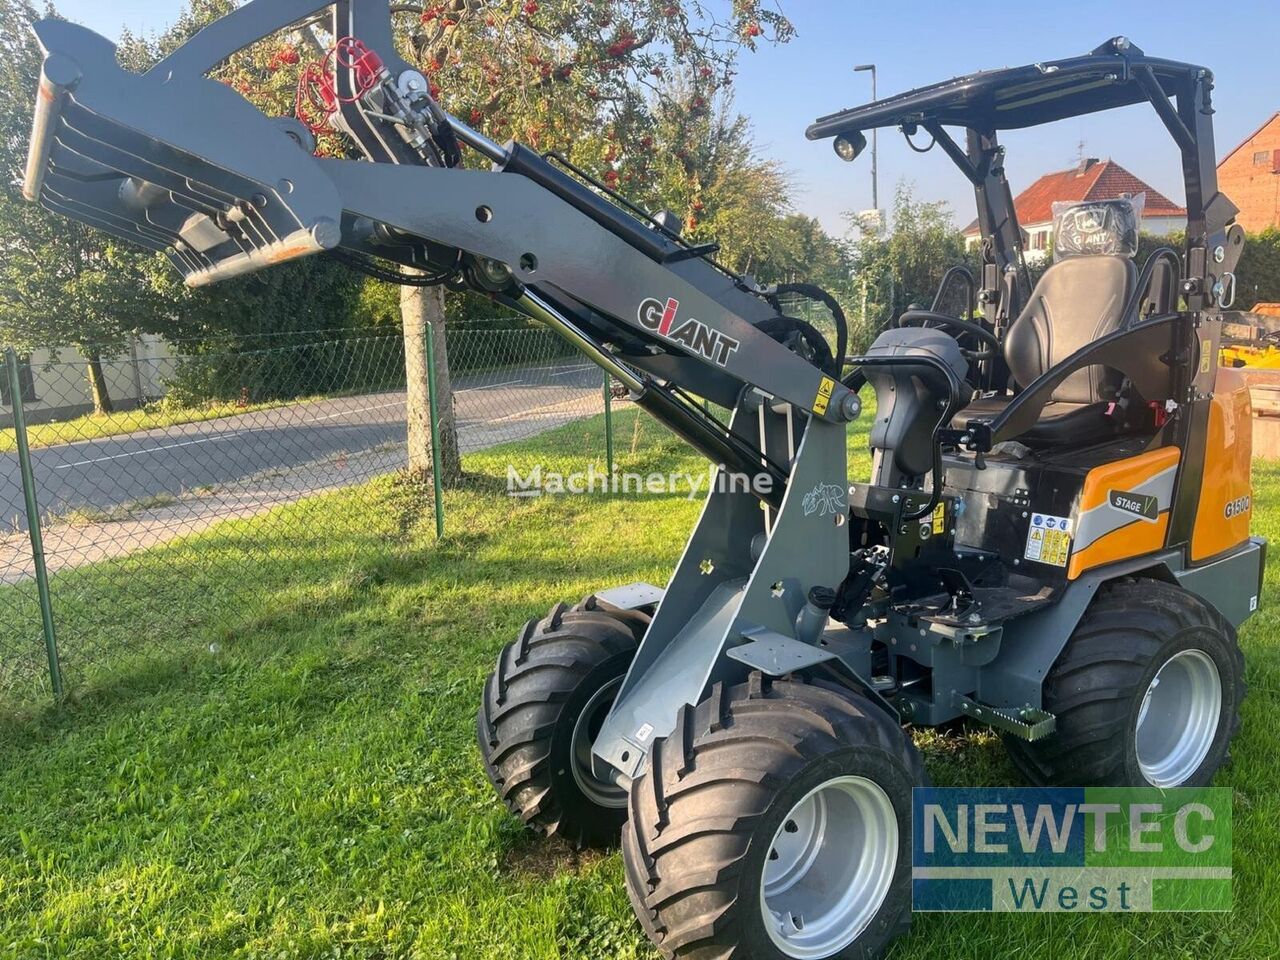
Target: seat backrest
column 1078, row 300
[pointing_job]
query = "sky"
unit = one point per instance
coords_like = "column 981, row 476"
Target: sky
column 916, row 42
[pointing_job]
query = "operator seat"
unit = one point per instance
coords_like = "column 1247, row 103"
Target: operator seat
column 1080, row 298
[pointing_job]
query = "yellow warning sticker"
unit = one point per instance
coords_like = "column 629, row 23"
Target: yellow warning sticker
column 823, row 399
column 1049, row 539
column 940, row 518
column 1206, row 356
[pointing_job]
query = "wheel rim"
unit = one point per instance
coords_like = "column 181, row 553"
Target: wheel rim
column 829, row 868
column 585, row 729
column 1178, row 719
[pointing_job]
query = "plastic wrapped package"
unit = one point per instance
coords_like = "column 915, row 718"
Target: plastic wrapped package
column 1094, row 227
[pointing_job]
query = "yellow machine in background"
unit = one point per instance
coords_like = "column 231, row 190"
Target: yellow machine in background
column 1252, row 339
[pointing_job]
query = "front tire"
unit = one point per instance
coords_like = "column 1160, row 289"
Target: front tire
column 1147, row 692
column 774, row 824
column 543, row 706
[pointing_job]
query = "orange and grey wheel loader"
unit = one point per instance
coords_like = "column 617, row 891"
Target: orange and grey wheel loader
column 1054, row 538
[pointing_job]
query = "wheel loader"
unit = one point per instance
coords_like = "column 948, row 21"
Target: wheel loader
column 1053, row 541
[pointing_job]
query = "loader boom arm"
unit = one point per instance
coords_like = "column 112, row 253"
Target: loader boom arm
column 180, row 163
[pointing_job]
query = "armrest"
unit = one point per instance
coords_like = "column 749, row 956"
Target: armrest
column 1142, row 353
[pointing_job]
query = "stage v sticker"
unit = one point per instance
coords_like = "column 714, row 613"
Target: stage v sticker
column 1141, row 505
column 1049, row 539
column 696, row 336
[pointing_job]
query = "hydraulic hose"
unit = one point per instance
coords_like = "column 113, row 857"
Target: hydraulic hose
column 811, row 292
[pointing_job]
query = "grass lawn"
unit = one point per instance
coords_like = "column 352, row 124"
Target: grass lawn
column 295, row 774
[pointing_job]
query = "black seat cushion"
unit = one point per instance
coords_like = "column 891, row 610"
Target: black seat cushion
column 1077, row 301
column 1060, row 424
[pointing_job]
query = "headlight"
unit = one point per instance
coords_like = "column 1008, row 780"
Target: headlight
column 849, row 145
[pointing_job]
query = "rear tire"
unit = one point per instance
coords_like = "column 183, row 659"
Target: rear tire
column 542, row 709
column 774, row 824
column 1147, row 692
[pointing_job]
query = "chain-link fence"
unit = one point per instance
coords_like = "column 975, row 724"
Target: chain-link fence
column 158, row 471
column 164, row 483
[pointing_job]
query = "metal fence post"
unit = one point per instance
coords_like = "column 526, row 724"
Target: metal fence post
column 435, row 428
column 608, row 423
column 33, row 520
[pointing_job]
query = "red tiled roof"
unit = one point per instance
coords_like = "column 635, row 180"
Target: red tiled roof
column 1091, row 180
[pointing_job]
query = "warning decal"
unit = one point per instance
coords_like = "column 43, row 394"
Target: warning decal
column 823, row 399
column 940, row 518
column 1049, row 539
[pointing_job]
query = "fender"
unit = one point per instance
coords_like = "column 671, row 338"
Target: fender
column 1030, row 645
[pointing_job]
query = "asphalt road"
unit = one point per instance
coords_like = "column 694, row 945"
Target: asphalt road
column 109, row 472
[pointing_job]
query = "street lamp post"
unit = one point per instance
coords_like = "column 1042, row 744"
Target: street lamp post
column 875, row 191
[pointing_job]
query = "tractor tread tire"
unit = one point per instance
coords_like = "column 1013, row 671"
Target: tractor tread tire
column 708, row 787
column 528, row 712
column 1099, row 678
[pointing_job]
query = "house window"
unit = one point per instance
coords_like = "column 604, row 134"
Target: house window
column 1261, row 158
column 25, row 378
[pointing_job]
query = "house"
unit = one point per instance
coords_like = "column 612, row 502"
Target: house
column 1091, row 179
column 1250, row 176
column 55, row 386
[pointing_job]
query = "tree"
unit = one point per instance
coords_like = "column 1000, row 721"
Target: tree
column 61, row 284
column 905, row 264
column 806, row 252
column 420, row 307
column 707, row 168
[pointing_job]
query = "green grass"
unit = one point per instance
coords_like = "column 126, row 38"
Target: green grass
column 94, row 426
column 296, row 775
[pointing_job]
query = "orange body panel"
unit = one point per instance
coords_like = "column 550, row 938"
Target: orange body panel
column 1226, row 492
column 1106, row 532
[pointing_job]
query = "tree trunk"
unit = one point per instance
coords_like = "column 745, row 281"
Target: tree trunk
column 420, row 306
column 98, row 385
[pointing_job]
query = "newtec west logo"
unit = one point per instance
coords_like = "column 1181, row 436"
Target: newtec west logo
column 1071, row 850
column 697, row 336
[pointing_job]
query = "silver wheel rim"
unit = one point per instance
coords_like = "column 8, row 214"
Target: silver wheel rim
column 585, row 729
column 1178, row 719
column 829, row 868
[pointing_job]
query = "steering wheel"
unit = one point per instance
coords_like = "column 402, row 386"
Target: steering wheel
column 927, row 318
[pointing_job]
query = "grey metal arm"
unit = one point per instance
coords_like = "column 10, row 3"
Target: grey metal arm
column 174, row 160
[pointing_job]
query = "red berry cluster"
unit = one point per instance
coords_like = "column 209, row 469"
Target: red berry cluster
column 625, row 43
column 285, row 56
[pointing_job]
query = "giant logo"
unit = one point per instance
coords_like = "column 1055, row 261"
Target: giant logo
column 660, row 318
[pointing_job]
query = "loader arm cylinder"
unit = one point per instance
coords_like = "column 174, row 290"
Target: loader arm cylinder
column 478, row 141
